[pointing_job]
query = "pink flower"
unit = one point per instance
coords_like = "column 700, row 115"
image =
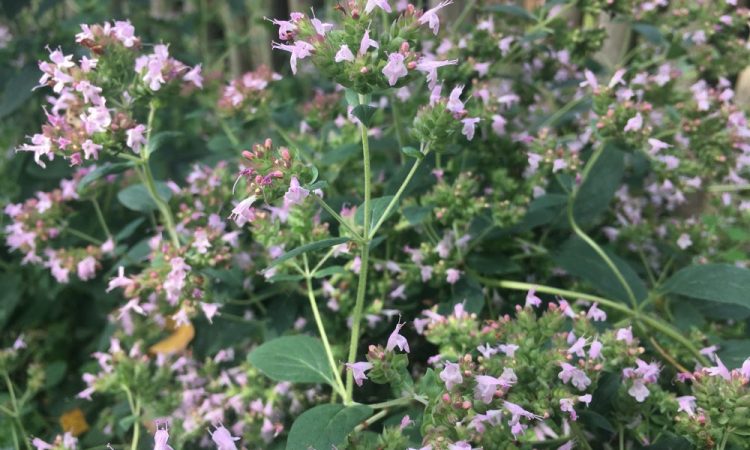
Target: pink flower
column 576, row 376
column 625, row 334
column 344, row 54
column 382, row 4
column 720, row 370
column 40, row 444
column 430, row 67
column 508, row 349
column 367, row 43
column 452, row 276
column 223, row 439
column 595, row 349
column 686, row 403
column 358, row 370
column 161, row 436
column 431, row 18
column 578, row 348
column 41, row 145
column 243, row 211
column 395, row 68
column 135, row 137
column 210, row 310
column 396, row 340
column 120, row 280
column 90, row 149
column 455, row 105
column 86, row 268
column 300, row 50
column 684, row 241
column 451, row 375
column 532, row 299
column 469, row 127
column 596, row 314
column 638, row 390
column 125, row 33
column 566, row 405
column 498, row 124
column 296, row 194
column 634, row 123
column 487, row 386
column 657, row 145
column 194, row 76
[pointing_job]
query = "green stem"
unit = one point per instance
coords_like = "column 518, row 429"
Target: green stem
column 394, row 201
column 403, row 401
column 322, row 331
column 364, row 257
column 586, row 238
column 16, row 410
column 375, row 417
column 729, row 187
column 148, row 181
column 230, row 134
column 464, row 14
column 654, row 323
column 100, row 216
column 84, row 236
column 337, row 216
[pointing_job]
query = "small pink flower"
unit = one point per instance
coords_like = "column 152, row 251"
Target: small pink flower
column 223, row 439
column 86, row 268
column 634, row 123
column 451, row 375
column 372, row 4
column 135, row 137
column 395, row 68
column 194, row 76
column 366, row 43
column 396, row 340
column 469, row 128
column 358, row 370
column 686, row 403
column 210, row 310
column 344, row 54
column 532, row 300
column 120, row 280
column 452, row 276
column 431, row 18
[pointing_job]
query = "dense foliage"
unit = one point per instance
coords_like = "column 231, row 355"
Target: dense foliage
column 514, row 229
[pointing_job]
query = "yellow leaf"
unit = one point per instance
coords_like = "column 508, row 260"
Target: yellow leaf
column 175, row 342
column 74, row 422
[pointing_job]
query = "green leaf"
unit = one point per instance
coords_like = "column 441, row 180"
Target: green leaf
column 137, row 197
column 18, row 90
column 157, row 140
column 129, row 229
column 597, row 191
column 328, row 271
column 101, row 171
column 299, row 359
column 377, row 208
column 325, row 426
column 54, row 373
column 543, row 210
column 311, row 247
column 649, row 32
column 580, row 260
column 734, row 352
column 352, row 98
column 416, row 214
column 511, row 10
column 722, row 283
column 412, row 152
column 364, row 113
column 10, row 288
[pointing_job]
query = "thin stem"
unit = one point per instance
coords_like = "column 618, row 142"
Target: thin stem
column 586, row 238
column 654, row 323
column 364, row 258
column 403, row 401
column 621, row 438
column 230, row 134
column 464, row 14
column 148, row 181
column 100, row 216
column 729, row 188
column 394, row 201
column 322, row 331
column 84, row 236
column 322, row 261
column 375, row 417
column 337, row 216
column 16, row 409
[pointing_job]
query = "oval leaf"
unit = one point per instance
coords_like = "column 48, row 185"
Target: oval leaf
column 721, row 283
column 299, row 359
column 137, row 198
column 325, row 426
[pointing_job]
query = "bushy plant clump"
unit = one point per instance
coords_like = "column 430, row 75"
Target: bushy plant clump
column 478, row 233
